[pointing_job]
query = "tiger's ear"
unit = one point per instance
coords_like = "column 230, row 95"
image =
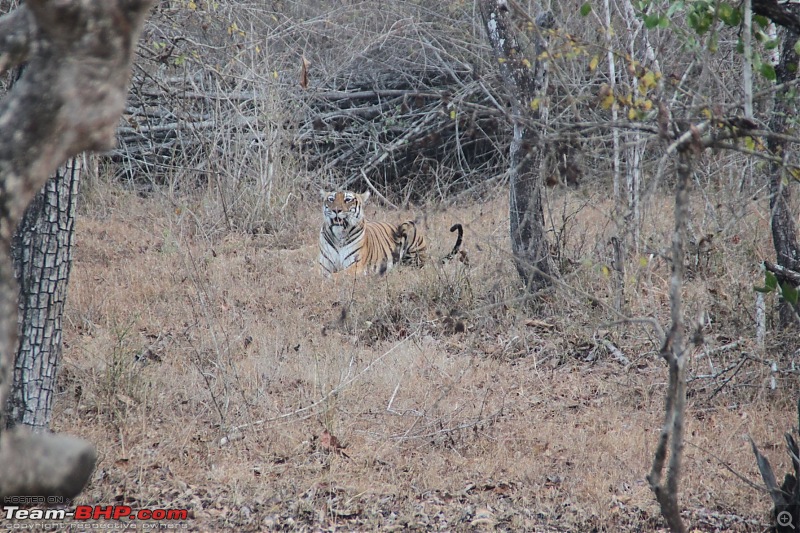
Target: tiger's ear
column 365, row 197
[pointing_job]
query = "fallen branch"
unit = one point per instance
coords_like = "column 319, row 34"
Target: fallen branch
column 616, row 352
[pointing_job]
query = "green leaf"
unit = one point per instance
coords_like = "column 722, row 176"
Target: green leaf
column 674, row 8
column 797, row 47
column 771, row 44
column 663, row 22
column 770, row 280
column 586, row 9
column 724, row 11
column 789, row 293
column 651, row 21
column 713, row 43
column 768, row 71
column 762, row 289
column 692, row 20
column 728, row 14
column 700, row 19
column 761, row 20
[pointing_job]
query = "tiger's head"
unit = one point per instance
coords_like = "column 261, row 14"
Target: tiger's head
column 343, row 208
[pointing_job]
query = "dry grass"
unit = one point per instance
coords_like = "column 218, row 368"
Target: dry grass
column 178, row 334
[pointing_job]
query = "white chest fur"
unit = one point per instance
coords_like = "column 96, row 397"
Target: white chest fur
column 336, row 253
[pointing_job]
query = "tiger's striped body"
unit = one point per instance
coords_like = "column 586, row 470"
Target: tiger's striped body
column 348, row 240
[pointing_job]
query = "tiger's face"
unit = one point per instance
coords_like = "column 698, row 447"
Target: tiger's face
column 343, row 209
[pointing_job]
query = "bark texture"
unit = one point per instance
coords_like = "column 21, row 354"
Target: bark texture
column 782, row 13
column 784, row 233
column 67, row 101
column 42, row 251
column 670, row 441
column 525, row 77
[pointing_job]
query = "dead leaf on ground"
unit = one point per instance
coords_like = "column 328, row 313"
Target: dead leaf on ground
column 330, row 443
column 483, row 517
column 304, row 64
column 534, row 323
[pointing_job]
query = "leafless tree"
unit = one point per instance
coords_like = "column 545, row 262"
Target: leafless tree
column 673, row 351
column 67, row 101
column 525, row 76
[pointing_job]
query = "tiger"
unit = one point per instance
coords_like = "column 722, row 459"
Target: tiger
column 348, row 240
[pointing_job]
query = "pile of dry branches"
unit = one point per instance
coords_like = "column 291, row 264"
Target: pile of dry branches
column 403, row 100
column 410, row 114
column 393, row 99
column 196, row 110
column 157, row 127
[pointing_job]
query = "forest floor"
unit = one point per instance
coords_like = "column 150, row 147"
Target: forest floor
column 218, row 371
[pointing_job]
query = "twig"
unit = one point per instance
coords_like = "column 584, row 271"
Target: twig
column 376, row 191
column 715, row 374
column 652, row 322
column 465, row 425
column 739, row 366
column 390, row 409
column 354, row 95
column 333, row 392
column 728, row 467
column 720, row 349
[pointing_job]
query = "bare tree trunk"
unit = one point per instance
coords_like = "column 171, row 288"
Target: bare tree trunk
column 784, row 232
column 674, row 352
column 525, row 76
column 747, row 67
column 612, row 82
column 42, row 252
column 67, row 101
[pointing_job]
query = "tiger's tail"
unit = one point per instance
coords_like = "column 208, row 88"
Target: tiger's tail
column 460, row 229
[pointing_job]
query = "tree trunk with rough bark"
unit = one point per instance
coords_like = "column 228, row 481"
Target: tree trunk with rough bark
column 784, row 231
column 68, row 100
column 525, row 76
column 42, row 252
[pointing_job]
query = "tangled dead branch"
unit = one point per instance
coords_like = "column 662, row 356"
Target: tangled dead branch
column 406, row 102
column 411, row 111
